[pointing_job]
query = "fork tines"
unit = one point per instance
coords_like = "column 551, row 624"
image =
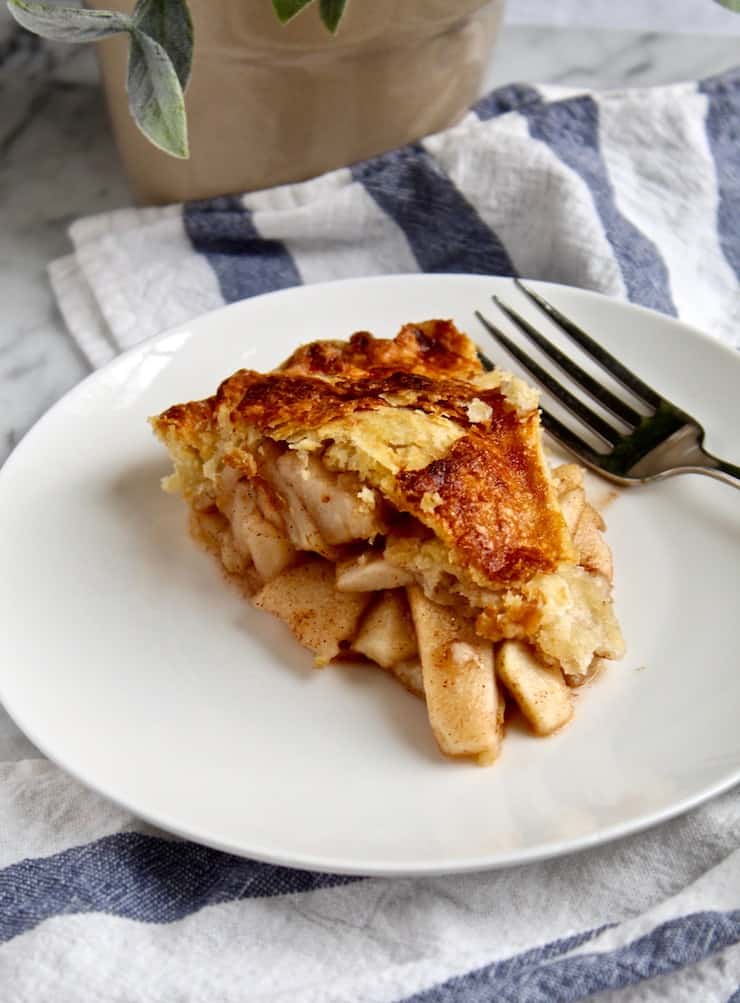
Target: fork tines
column 605, row 359
column 621, row 410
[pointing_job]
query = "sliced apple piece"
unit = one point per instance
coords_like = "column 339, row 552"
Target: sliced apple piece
column 301, row 528
column 463, row 703
column 305, row 597
column 539, row 690
column 370, row 572
column 410, row 676
column 387, row 634
column 572, row 504
column 340, row 511
column 255, row 537
column 593, row 551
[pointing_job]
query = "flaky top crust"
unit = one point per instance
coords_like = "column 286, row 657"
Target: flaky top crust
column 434, row 347
column 485, row 492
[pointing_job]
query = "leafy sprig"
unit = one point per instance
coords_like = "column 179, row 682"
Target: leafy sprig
column 160, row 52
column 330, row 11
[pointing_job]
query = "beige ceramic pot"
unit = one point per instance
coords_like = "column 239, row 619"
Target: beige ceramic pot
column 269, row 104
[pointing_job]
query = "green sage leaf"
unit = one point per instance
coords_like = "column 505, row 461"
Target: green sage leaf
column 731, row 5
column 331, row 13
column 68, row 24
column 168, row 22
column 155, row 95
column 287, row 9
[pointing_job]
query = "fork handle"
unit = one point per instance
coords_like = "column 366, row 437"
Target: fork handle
column 720, row 469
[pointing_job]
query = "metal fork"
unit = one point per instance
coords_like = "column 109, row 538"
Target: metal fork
column 663, row 442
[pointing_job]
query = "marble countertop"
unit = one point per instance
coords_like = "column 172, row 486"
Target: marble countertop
column 58, row 163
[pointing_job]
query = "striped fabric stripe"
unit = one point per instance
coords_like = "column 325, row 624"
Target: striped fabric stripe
column 571, row 129
column 544, row 215
column 139, row 877
column 723, row 130
column 669, row 151
column 445, row 232
column 332, row 228
column 542, row 976
column 245, row 263
column 513, row 97
column 713, row 978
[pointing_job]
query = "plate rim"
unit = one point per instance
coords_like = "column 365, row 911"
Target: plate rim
column 324, row 864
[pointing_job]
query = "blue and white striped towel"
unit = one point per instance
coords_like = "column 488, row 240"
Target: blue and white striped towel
column 636, row 194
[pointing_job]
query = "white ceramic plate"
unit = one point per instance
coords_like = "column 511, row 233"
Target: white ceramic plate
column 129, row 662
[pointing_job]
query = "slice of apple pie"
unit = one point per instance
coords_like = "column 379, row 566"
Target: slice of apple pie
column 390, row 499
